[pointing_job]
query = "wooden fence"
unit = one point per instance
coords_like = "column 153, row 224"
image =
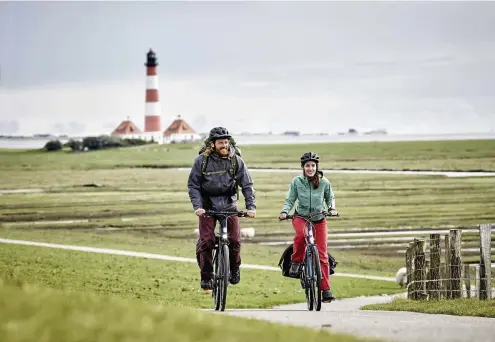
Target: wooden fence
column 434, row 279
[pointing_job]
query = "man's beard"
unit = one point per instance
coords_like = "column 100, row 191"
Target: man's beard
column 223, row 152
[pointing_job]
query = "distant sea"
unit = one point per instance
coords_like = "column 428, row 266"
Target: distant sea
column 256, row 139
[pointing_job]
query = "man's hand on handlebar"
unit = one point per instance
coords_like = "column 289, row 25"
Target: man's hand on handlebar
column 282, row 216
column 199, row 212
column 251, row 213
column 333, row 212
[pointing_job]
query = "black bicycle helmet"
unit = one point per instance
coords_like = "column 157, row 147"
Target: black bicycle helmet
column 219, row 133
column 309, row 156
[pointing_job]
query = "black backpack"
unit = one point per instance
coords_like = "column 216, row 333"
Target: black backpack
column 285, row 261
column 233, row 162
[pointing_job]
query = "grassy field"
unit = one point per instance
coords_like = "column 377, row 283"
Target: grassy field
column 462, row 155
column 159, row 198
column 349, row 261
column 147, row 209
column 32, row 313
column 171, row 283
column 456, row 307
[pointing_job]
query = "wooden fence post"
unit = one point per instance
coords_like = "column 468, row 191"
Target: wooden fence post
column 443, row 281
column 455, row 263
column 477, row 281
column 419, row 269
column 409, row 270
column 428, row 278
column 467, row 280
column 447, row 268
column 485, row 262
column 435, row 253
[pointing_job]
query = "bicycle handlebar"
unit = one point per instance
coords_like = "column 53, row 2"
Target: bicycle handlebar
column 226, row 213
column 326, row 214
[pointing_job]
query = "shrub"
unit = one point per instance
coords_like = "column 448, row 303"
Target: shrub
column 75, row 145
column 104, row 142
column 53, row 145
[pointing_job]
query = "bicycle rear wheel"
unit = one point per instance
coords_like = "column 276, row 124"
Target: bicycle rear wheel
column 316, row 281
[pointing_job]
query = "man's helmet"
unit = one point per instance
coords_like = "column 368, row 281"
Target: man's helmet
column 219, row 133
column 309, row 156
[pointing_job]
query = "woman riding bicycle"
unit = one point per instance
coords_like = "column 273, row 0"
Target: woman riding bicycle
column 312, row 191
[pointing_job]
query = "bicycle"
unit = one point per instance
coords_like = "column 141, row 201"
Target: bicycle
column 221, row 260
column 310, row 272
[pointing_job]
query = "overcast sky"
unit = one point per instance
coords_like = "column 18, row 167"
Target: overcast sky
column 409, row 67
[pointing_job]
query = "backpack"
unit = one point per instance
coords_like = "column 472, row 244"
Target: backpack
column 285, row 261
column 233, row 161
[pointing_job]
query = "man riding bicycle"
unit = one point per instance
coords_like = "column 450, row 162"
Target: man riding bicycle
column 312, row 190
column 212, row 185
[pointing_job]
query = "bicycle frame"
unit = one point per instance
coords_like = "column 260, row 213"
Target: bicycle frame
column 310, row 242
column 221, row 258
column 310, row 272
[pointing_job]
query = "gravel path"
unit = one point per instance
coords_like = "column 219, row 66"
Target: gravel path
column 344, row 316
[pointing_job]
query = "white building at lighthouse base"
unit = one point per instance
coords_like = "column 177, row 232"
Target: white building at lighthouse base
column 179, row 131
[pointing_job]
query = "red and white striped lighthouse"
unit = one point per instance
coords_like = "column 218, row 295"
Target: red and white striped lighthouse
column 152, row 119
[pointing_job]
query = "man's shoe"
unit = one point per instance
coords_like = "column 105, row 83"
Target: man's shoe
column 207, row 285
column 235, row 276
column 327, row 296
column 295, row 269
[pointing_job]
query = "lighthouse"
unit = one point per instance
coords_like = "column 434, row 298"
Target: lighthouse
column 177, row 131
column 152, row 115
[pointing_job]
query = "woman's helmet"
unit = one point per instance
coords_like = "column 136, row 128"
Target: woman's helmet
column 219, row 133
column 309, row 156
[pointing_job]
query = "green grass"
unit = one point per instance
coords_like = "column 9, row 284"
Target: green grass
column 171, row 283
column 162, row 220
column 455, row 155
column 457, row 307
column 151, row 211
column 33, row 313
column 159, row 198
column 61, row 295
column 349, row 261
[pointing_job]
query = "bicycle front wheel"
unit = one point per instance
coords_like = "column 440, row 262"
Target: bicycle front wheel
column 308, row 275
column 215, row 292
column 316, row 281
column 223, row 277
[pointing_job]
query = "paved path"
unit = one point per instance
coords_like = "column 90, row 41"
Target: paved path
column 344, row 316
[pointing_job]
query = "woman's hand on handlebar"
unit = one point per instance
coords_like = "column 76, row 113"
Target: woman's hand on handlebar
column 333, row 212
column 282, row 216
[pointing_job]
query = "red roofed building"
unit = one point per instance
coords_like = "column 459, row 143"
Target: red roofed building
column 179, row 130
column 126, row 128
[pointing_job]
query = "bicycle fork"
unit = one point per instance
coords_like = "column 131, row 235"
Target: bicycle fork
column 310, row 250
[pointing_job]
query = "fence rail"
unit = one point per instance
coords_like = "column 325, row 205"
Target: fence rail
column 428, row 278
